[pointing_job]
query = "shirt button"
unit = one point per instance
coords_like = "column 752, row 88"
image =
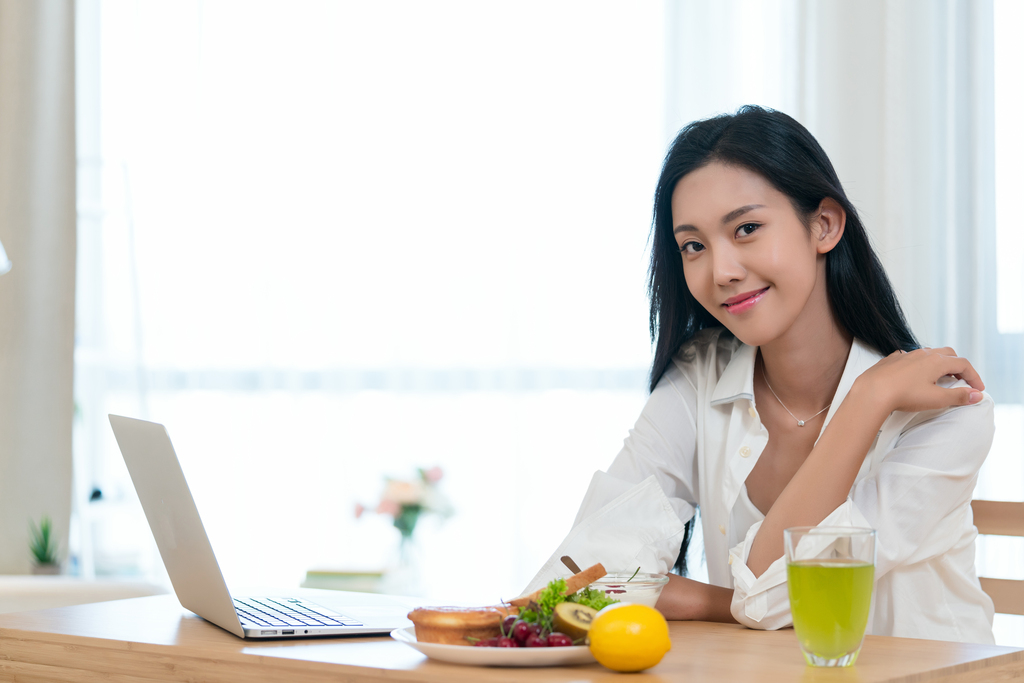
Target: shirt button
column 721, row 527
column 752, row 411
column 745, row 452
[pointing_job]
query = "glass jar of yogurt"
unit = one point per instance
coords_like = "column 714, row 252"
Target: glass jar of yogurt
column 639, row 588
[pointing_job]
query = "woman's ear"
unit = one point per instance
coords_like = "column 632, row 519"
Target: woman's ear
column 828, row 224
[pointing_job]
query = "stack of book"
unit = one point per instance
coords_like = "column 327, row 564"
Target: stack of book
column 340, row 580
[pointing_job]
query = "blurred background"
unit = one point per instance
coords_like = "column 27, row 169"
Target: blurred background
column 328, row 244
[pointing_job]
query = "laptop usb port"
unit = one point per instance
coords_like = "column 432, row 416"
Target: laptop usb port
column 268, row 633
column 288, row 633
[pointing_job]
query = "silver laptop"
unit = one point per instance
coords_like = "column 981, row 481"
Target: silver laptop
column 193, row 569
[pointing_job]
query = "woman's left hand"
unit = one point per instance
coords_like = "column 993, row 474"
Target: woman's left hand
column 907, row 381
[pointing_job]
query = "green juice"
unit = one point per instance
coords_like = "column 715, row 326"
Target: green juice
column 830, row 600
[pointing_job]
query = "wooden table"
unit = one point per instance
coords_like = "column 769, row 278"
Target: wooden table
column 154, row 639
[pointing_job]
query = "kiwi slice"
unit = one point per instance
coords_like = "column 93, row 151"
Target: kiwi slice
column 573, row 619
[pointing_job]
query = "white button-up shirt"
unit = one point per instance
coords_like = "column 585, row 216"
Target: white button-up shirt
column 698, row 438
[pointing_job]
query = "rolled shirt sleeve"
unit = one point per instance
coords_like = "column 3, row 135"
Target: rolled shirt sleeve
column 763, row 602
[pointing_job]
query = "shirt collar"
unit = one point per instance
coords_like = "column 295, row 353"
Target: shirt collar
column 737, row 380
column 860, row 359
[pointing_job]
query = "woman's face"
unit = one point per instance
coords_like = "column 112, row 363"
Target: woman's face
column 747, row 257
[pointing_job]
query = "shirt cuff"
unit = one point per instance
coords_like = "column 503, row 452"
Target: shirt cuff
column 762, row 602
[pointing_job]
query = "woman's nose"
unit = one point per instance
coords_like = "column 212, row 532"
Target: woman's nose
column 727, row 267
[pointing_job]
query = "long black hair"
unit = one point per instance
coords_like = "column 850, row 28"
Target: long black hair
column 784, row 153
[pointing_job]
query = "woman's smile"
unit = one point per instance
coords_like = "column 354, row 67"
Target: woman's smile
column 744, row 302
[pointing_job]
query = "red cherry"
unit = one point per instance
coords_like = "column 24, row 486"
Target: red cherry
column 559, row 640
column 505, row 641
column 487, row 642
column 507, row 624
column 521, row 631
column 536, row 641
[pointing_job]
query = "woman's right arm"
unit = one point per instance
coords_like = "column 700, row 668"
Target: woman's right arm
column 688, row 600
column 663, row 443
column 634, row 514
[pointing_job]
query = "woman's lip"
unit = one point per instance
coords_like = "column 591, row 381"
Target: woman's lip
column 744, row 302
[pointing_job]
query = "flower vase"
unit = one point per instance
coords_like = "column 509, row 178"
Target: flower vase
column 403, row 578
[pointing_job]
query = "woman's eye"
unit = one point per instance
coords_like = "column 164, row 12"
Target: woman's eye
column 691, row 247
column 746, row 229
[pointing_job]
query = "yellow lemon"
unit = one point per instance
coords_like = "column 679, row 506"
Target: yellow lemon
column 629, row 637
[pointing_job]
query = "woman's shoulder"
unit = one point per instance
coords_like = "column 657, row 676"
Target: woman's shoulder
column 956, row 439
column 977, row 418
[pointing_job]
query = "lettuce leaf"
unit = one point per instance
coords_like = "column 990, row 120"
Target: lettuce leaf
column 592, row 598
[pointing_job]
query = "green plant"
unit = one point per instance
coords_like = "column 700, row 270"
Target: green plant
column 43, row 545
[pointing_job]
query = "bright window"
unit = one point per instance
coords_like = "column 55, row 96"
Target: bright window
column 327, row 242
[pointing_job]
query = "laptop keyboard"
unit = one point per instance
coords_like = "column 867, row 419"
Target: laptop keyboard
column 288, row 612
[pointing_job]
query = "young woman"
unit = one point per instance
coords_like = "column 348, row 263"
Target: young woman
column 787, row 390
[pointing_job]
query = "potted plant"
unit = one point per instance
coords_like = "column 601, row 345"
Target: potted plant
column 43, row 547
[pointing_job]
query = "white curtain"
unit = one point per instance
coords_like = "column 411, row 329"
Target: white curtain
column 905, row 108
column 37, row 297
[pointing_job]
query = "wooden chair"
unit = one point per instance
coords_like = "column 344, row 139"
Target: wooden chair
column 1000, row 518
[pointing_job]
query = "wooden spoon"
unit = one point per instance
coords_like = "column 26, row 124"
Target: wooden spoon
column 573, row 567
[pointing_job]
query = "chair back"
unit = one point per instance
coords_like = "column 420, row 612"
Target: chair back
column 1001, row 518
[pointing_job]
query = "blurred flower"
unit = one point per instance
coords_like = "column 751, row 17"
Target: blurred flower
column 389, row 507
column 404, row 492
column 406, row 500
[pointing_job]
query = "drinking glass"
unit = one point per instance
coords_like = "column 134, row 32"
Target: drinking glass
column 831, row 573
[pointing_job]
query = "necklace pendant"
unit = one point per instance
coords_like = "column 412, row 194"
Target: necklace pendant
column 799, row 423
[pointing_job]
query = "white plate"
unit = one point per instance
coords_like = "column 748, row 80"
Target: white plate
column 496, row 656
